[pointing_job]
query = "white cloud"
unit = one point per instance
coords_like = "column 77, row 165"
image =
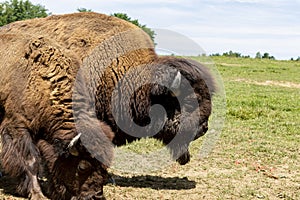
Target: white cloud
column 245, row 25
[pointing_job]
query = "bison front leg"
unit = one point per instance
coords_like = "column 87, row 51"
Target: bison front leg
column 20, row 158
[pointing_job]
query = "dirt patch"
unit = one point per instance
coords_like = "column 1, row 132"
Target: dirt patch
column 270, row 83
column 231, row 65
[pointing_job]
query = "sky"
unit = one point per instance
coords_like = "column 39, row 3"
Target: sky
column 217, row 26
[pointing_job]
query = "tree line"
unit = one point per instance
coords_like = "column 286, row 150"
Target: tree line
column 239, row 55
column 258, row 55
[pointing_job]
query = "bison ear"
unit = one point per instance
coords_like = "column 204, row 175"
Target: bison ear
column 72, row 145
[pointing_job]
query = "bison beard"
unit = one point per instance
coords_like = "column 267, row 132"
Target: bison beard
column 40, row 61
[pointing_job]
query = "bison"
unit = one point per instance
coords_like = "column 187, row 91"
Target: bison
column 69, row 90
column 38, row 132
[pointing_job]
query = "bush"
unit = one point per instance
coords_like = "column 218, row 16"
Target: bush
column 83, row 10
column 15, row 10
column 124, row 16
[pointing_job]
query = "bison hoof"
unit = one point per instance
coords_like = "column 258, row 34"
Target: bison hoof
column 183, row 159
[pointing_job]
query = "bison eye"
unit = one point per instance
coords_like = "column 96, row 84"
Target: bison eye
column 84, row 166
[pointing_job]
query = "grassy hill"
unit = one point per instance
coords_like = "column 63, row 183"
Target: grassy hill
column 257, row 154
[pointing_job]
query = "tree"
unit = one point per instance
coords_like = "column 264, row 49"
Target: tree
column 84, row 10
column 232, row 54
column 267, row 56
column 15, row 10
column 215, row 54
column 124, row 16
column 271, row 57
column 258, row 55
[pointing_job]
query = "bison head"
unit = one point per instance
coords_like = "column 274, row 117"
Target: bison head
column 80, row 175
column 186, row 96
column 77, row 169
column 182, row 87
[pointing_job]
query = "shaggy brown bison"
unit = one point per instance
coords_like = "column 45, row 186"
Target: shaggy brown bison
column 64, row 76
column 37, row 127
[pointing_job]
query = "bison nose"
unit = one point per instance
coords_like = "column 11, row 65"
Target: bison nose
column 184, row 158
column 203, row 129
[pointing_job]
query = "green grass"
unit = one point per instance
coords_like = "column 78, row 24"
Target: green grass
column 258, row 69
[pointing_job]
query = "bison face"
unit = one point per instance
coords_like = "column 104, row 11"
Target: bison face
column 186, row 97
column 72, row 174
column 74, row 171
column 81, row 177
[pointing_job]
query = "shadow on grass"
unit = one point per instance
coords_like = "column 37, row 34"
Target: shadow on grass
column 155, row 182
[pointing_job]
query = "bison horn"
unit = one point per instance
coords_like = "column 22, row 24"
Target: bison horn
column 71, row 147
column 176, row 84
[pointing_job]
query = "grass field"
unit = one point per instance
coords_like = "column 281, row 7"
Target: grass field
column 258, row 153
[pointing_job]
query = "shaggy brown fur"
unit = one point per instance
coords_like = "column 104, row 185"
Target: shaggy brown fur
column 44, row 60
column 37, row 123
